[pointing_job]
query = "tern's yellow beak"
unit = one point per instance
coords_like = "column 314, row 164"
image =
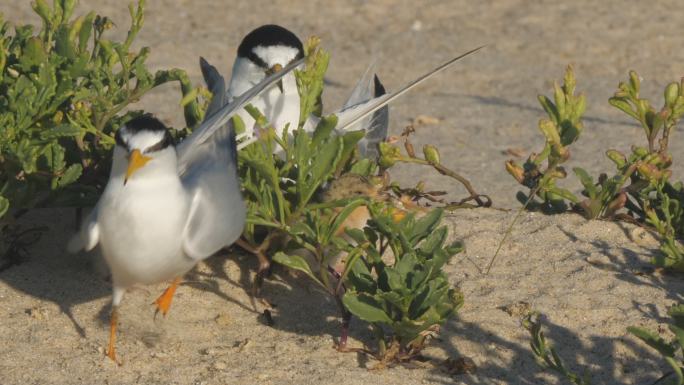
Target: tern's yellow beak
column 274, row 69
column 135, row 162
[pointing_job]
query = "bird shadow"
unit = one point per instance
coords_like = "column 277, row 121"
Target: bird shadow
column 218, row 267
column 48, row 273
column 288, row 297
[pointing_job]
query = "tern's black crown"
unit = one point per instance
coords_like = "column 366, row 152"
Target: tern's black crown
column 267, row 36
column 145, row 122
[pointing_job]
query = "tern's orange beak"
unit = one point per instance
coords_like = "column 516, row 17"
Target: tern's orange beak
column 135, row 162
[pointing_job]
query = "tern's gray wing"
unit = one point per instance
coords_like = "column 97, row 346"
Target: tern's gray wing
column 361, row 111
column 375, row 125
column 213, row 122
column 217, row 213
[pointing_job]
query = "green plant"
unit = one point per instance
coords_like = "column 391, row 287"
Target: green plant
column 651, row 196
column 562, row 128
column 396, row 280
column 641, row 184
column 391, row 154
column 668, row 349
column 64, row 91
column 545, row 354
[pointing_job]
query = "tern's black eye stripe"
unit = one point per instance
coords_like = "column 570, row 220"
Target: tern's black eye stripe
column 148, row 123
column 166, row 142
column 257, row 60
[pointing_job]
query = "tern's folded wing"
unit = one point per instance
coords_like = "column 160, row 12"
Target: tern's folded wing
column 217, row 213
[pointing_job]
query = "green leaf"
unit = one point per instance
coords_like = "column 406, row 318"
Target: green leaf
column 391, row 280
column 85, row 31
column 64, row 46
column 433, row 241
column 406, row 264
column 341, row 217
column 33, row 54
column 71, row 174
column 360, row 278
column 295, row 262
column 43, row 10
column 364, row 167
column 677, row 314
column 549, row 107
column 356, row 234
column 4, row 206
column 679, row 333
column 324, row 130
column 550, row 131
column 454, row 248
column 432, row 293
column 586, row 181
column 653, row 340
column 425, row 225
column 624, row 106
column 63, row 130
column 349, row 142
column 365, row 307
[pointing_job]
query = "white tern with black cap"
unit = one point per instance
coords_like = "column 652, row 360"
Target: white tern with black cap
column 167, row 207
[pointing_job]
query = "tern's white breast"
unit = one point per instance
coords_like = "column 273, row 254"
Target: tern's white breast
column 280, row 108
column 141, row 230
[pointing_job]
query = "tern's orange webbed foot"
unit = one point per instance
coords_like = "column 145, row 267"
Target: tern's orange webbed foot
column 164, row 301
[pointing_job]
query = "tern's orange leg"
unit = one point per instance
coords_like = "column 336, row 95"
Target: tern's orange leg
column 164, row 301
column 113, row 321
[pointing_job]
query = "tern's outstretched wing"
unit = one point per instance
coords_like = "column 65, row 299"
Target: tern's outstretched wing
column 363, row 110
column 356, row 116
column 217, row 212
column 375, row 125
column 218, row 119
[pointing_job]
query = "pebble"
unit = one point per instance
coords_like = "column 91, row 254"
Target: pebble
column 223, row 319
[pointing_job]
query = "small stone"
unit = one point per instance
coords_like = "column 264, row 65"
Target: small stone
column 241, row 345
column 220, row 365
column 38, row 313
column 518, row 309
column 223, row 319
column 425, row 120
column 209, row 352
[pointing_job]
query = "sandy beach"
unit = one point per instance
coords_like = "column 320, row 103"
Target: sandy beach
column 590, row 279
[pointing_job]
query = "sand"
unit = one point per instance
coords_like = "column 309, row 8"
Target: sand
column 590, row 279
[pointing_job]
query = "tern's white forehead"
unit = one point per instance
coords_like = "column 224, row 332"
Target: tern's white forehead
column 141, row 139
column 276, row 54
